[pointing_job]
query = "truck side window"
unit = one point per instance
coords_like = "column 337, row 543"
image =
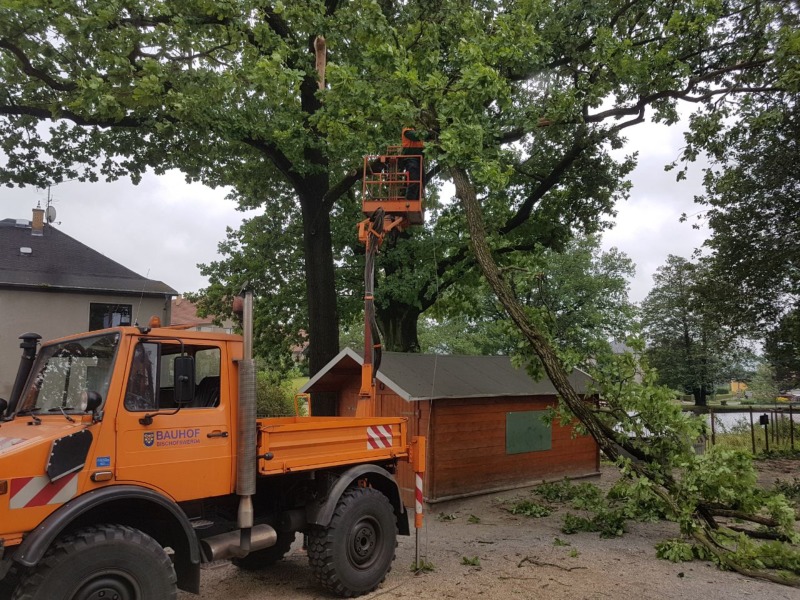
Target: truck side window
column 207, row 376
column 141, row 391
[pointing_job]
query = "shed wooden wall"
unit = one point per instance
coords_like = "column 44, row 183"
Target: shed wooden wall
column 467, row 444
column 468, row 448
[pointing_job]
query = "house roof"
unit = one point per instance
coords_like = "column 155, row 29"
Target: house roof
column 432, row 376
column 54, row 260
column 184, row 312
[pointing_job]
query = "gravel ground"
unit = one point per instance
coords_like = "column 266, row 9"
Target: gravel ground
column 518, row 558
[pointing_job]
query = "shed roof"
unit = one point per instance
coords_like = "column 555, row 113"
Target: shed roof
column 432, row 376
column 57, row 261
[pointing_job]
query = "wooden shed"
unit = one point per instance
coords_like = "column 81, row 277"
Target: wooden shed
column 482, row 416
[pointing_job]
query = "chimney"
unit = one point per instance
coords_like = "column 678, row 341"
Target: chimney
column 37, row 225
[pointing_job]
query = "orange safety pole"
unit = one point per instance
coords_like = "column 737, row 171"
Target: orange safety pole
column 418, row 458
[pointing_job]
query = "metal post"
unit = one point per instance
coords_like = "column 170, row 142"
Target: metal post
column 713, row 428
column 752, row 431
column 791, row 426
column 772, row 421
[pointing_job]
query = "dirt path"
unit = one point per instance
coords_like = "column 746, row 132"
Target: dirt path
column 519, row 557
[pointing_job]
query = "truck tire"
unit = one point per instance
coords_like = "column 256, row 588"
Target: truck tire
column 101, row 561
column 260, row 559
column 9, row 583
column 353, row 554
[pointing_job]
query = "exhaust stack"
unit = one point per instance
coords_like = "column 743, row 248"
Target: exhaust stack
column 28, row 345
column 247, row 447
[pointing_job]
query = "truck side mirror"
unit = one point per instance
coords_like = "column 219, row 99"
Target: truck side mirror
column 184, row 380
column 93, row 401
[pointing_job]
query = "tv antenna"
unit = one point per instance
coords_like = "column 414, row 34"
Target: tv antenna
column 50, row 210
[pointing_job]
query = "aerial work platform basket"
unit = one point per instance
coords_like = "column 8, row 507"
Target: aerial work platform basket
column 394, row 182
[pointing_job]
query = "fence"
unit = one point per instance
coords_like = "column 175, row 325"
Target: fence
column 771, row 428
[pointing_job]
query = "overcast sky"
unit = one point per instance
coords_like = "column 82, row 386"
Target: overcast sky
column 164, row 227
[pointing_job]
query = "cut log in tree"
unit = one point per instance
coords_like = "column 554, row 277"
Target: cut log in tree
column 696, row 514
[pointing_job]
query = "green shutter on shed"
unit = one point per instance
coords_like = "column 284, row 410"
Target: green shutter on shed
column 527, row 432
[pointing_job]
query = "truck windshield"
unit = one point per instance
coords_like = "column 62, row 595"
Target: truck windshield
column 64, row 373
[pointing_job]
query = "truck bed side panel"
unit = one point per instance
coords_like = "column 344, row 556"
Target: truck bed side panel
column 305, row 443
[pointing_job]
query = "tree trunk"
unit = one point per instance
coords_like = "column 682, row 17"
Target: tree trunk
column 398, row 324
column 700, row 397
column 323, row 317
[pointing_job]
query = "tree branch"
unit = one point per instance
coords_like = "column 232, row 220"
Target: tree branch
column 27, row 67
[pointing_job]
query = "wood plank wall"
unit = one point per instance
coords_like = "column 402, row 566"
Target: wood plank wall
column 470, row 442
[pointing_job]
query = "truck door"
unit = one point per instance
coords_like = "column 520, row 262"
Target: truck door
column 185, row 450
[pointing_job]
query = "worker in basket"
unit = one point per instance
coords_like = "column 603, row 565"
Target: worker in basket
column 413, row 144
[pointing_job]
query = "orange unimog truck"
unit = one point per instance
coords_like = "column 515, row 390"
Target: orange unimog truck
column 131, row 455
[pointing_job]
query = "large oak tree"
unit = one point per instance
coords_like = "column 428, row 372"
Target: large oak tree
column 531, row 95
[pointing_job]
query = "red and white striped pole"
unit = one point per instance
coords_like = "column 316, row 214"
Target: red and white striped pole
column 418, row 451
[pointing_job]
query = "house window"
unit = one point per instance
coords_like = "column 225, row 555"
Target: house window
column 528, row 431
column 109, row 315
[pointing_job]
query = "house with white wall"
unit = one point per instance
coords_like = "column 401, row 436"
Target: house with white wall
column 54, row 285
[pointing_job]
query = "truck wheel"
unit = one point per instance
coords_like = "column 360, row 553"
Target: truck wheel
column 102, row 561
column 353, row 554
column 261, row 559
column 9, row 583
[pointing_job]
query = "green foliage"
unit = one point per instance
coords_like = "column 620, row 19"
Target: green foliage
column 527, row 508
column 473, row 520
column 688, row 344
column 721, row 477
column 608, row 523
column 637, row 500
column 560, row 542
column 471, row 562
column 763, row 555
column 642, row 415
column 763, row 386
column 751, row 191
column 782, row 349
column 423, row 566
column 789, row 489
column 578, row 292
column 582, row 496
column 727, row 478
column 574, row 553
column 274, row 395
column 675, row 551
column 446, row 517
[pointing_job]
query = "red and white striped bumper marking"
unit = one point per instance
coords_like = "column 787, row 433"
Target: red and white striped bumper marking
column 8, row 442
column 379, row 436
column 38, row 491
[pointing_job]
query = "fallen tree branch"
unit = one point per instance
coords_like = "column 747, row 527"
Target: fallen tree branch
column 743, row 516
column 663, row 485
column 540, row 563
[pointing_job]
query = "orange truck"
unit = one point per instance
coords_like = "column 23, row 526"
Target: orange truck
column 130, row 456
